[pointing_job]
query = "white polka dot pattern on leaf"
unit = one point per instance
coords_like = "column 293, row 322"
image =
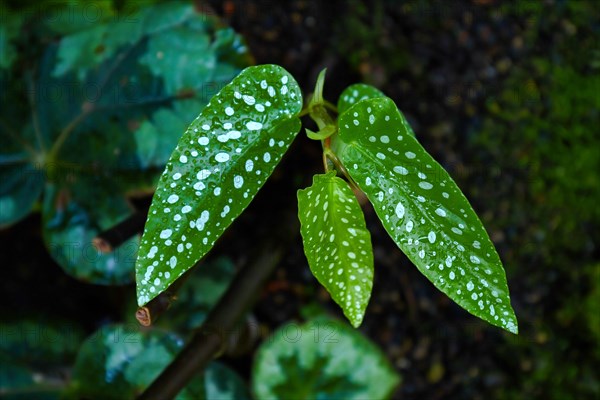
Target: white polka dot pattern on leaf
column 219, row 164
column 337, row 243
column 424, row 211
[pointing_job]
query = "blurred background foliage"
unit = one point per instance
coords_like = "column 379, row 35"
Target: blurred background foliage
column 107, row 103
column 503, row 94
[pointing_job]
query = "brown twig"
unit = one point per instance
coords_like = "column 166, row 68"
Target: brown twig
column 149, row 313
column 112, row 238
column 212, row 338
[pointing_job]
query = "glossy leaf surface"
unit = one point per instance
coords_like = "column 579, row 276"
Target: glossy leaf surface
column 423, row 210
column 220, row 163
column 337, row 243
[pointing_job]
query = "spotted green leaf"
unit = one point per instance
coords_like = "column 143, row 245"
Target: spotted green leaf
column 359, row 92
column 423, row 210
column 220, row 163
column 355, row 93
column 337, row 243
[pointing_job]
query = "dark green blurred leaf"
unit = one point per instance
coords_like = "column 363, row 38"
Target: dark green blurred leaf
column 111, row 100
column 70, row 224
column 40, row 343
column 20, row 187
column 9, row 30
column 119, row 362
column 20, row 383
column 198, row 295
column 321, row 359
column 221, row 383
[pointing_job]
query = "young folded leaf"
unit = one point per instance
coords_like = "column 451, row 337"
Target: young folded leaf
column 220, row 163
column 423, row 210
column 337, row 243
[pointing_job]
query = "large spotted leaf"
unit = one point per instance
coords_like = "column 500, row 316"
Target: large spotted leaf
column 337, row 243
column 220, row 163
column 423, row 210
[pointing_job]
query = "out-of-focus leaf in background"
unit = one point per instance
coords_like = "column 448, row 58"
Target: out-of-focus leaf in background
column 119, row 361
column 108, row 103
column 32, row 353
column 322, row 358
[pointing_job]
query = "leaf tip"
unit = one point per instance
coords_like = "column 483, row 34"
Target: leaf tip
column 356, row 321
column 512, row 325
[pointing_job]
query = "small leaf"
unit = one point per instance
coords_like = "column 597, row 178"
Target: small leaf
column 337, row 243
column 423, row 210
column 220, row 163
column 322, row 134
column 355, row 93
column 321, row 359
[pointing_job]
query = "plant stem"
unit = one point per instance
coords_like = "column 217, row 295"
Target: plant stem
column 210, row 340
column 149, row 313
column 330, row 106
column 108, row 240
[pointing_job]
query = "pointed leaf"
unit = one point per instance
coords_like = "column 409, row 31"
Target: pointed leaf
column 423, row 210
column 220, row 163
column 337, row 243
